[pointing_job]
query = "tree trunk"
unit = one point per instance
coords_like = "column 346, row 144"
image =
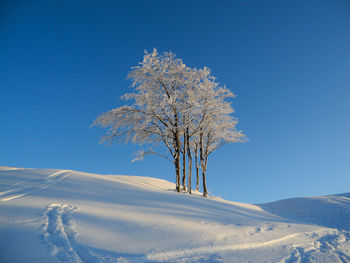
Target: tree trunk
column 184, row 164
column 189, row 162
column 203, row 164
column 176, row 173
column 177, row 150
column 197, row 167
column 204, row 170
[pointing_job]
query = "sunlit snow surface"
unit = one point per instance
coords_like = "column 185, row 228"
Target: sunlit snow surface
column 68, row 216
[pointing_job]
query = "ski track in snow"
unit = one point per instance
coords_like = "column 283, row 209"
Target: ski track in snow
column 326, row 247
column 31, row 186
column 176, row 254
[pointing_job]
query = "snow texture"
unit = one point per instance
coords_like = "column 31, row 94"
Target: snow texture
column 68, row 216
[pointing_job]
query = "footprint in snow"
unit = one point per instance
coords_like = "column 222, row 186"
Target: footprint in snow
column 58, row 232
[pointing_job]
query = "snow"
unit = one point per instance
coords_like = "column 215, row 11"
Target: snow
column 330, row 211
column 49, row 215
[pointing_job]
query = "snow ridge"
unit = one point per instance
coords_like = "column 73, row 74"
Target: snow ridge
column 330, row 211
column 187, row 253
column 31, row 186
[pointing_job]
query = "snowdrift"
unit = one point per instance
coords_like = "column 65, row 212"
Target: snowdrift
column 51, row 215
column 329, row 211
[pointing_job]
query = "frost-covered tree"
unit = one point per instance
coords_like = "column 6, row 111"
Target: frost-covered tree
column 181, row 108
column 156, row 112
column 212, row 123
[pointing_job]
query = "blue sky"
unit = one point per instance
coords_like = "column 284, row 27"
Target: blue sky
column 65, row 62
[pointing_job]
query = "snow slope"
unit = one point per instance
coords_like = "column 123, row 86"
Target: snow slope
column 329, row 211
column 67, row 216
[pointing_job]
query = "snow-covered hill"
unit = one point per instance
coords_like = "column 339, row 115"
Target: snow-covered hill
column 68, row 216
column 329, row 211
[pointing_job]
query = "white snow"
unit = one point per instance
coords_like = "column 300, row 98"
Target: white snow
column 67, row 216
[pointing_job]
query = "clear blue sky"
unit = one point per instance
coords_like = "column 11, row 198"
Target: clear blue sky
column 62, row 63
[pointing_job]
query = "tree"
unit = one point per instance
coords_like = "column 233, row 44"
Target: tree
column 181, row 108
column 212, row 122
column 155, row 114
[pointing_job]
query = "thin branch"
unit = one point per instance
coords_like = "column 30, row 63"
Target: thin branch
column 152, row 152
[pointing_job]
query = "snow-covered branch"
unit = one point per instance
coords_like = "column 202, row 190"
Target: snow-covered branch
column 183, row 108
